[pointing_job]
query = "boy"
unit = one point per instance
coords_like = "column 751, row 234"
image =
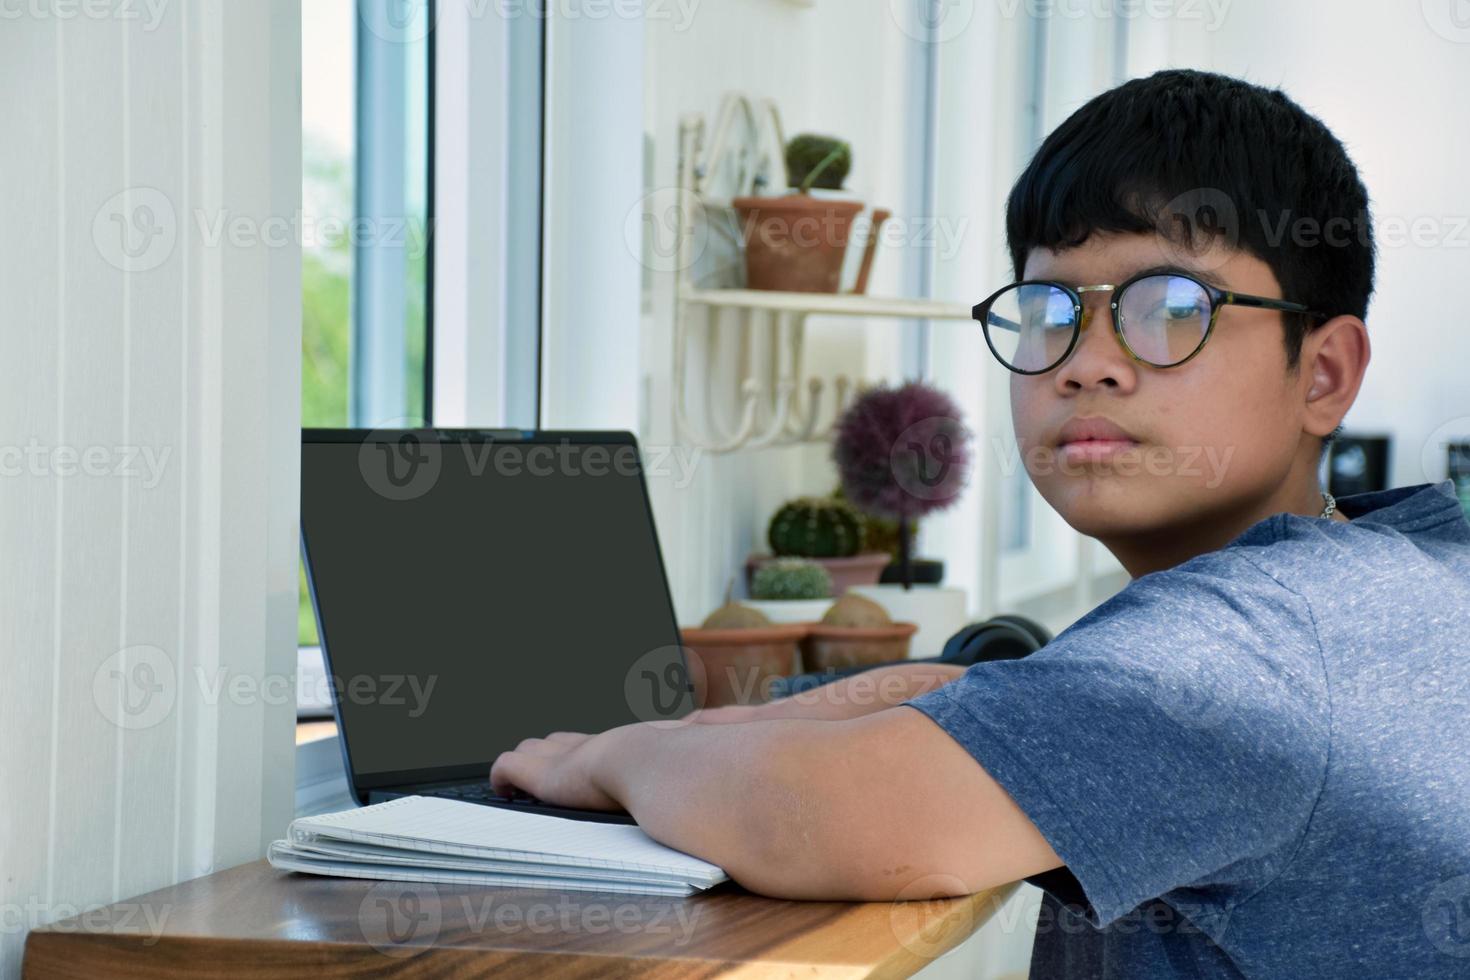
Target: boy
column 1249, row 762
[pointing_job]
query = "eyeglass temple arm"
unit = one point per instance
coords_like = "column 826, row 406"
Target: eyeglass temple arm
column 977, row 312
column 1266, row 302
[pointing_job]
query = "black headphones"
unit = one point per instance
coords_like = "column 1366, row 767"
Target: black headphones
column 1005, row 637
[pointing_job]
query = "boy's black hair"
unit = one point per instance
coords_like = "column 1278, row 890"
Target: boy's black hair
column 1198, row 156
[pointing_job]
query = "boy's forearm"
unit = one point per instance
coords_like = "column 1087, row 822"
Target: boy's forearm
column 725, row 791
column 771, row 802
column 711, row 790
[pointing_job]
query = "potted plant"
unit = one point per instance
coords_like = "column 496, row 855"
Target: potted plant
column 797, row 242
column 902, row 453
column 882, row 535
column 855, row 631
column 831, row 533
column 736, row 653
column 791, row 590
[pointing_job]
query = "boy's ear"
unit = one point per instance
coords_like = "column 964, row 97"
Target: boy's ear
column 1334, row 359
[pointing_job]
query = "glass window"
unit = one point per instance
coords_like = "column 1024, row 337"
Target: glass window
column 366, row 217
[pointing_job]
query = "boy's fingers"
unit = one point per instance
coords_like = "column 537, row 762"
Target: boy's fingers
column 512, row 771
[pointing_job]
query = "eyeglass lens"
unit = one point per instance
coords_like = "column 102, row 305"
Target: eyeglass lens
column 1164, row 319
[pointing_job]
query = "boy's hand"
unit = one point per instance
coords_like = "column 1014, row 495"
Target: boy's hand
column 556, row 769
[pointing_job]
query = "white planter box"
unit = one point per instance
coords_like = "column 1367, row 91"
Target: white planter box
column 790, row 610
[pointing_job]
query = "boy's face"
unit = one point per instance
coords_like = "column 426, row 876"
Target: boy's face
column 1215, row 436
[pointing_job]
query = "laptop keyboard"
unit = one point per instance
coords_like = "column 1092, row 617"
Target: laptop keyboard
column 481, row 793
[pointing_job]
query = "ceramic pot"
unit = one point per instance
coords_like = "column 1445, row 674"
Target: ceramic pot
column 795, row 243
column 736, row 666
column 862, row 569
column 827, row 647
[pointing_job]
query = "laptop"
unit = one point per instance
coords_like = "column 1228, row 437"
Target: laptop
column 476, row 587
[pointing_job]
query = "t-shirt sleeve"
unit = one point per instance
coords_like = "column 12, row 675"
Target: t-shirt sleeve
column 1173, row 738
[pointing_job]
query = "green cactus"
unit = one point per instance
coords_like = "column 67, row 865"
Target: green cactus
column 880, row 533
column 791, row 578
column 816, row 527
column 817, row 161
column 734, row 616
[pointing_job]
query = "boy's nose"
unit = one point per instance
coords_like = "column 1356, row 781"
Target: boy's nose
column 1097, row 360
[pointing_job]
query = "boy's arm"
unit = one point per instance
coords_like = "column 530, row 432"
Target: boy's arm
column 872, row 808
column 849, row 697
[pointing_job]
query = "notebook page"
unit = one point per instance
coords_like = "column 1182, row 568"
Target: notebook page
column 443, row 826
column 325, row 850
column 282, row 857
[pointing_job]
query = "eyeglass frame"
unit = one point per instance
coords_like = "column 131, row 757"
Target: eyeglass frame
column 1218, row 298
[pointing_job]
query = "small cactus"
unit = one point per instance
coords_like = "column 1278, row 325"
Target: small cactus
column 791, row 578
column 880, row 533
column 817, row 161
column 816, row 527
column 856, row 611
column 734, row 616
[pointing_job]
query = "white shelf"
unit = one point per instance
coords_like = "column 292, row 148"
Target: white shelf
column 827, row 304
column 776, row 402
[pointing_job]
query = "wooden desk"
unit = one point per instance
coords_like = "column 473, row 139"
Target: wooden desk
column 257, row 922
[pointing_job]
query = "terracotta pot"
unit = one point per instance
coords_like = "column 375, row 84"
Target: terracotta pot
column 736, row 666
column 880, row 215
column 795, row 243
column 826, row 647
column 862, row 569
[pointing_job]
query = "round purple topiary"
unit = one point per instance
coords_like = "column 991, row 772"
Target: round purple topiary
column 902, row 453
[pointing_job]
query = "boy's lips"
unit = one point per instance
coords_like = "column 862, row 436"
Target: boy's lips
column 1096, row 428
column 1090, row 450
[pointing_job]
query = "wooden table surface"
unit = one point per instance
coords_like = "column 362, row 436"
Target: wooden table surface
column 310, row 731
column 254, row 921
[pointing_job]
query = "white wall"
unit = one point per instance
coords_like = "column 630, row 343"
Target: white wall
column 149, row 417
column 1388, row 80
column 834, row 72
column 830, row 72
column 608, row 346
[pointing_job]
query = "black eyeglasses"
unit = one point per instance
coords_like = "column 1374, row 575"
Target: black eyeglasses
column 1161, row 318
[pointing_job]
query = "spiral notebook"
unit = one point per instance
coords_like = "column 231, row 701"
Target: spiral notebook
column 427, row 839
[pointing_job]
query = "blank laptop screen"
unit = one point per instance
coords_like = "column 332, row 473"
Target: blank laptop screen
column 474, row 593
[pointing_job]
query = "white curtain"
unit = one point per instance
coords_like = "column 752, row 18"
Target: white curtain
column 149, row 425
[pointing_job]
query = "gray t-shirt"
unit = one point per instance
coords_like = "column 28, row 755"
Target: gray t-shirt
column 1256, row 763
